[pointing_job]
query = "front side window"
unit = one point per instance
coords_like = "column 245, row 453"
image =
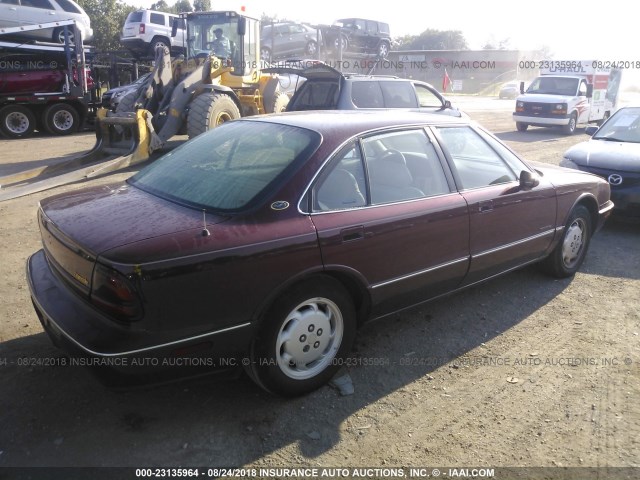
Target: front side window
column 477, row 164
column 403, row 166
column 427, row 98
column 157, row 18
column 229, row 168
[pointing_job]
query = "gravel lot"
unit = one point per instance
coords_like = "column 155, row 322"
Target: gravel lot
column 522, row 371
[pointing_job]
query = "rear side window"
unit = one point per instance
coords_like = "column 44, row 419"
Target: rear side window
column 367, row 95
column 383, row 27
column 135, row 17
column 46, row 4
column 157, row 18
column 67, row 6
column 398, row 95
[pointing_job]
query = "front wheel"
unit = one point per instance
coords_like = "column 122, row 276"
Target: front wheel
column 209, row 110
column 522, row 127
column 311, row 49
column 303, row 338
column 383, row 49
column 566, row 258
column 570, row 127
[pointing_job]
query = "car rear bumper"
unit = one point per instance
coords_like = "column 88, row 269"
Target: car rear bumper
column 135, row 44
column 116, row 353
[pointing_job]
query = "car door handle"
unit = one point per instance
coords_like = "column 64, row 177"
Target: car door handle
column 351, row 234
column 486, row 206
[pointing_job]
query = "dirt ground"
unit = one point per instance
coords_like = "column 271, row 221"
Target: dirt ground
column 522, row 371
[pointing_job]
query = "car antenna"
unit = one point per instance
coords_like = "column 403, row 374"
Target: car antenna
column 205, row 231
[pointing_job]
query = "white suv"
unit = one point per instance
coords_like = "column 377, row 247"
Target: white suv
column 144, row 30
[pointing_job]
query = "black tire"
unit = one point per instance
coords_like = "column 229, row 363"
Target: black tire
column 265, row 54
column 58, row 35
column 567, row 257
column 17, row 121
column 278, row 104
column 311, row 49
column 302, row 338
column 522, row 127
column 570, row 128
column 383, row 49
column 345, row 43
column 209, row 110
column 61, row 119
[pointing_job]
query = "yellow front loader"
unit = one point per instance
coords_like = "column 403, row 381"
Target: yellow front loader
column 189, row 95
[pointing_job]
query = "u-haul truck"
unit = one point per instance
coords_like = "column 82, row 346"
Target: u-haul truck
column 568, row 94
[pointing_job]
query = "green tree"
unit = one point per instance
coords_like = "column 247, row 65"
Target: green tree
column 182, row 6
column 434, row 40
column 161, row 6
column 202, row 5
column 107, row 18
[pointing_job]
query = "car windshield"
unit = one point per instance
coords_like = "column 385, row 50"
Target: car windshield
column 230, row 168
column 624, row 126
column 554, row 86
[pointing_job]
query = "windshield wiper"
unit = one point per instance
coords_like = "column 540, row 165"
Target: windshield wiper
column 610, row 139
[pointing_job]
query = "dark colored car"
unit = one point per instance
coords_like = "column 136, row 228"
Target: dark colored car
column 111, row 98
column 267, row 241
column 288, row 39
column 325, row 88
column 613, row 152
column 359, row 35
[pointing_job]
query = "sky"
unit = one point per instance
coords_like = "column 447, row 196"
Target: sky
column 572, row 30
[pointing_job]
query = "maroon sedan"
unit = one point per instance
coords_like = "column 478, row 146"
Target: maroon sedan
column 267, row 241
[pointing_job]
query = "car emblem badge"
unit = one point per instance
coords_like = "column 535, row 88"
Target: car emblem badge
column 280, row 205
column 615, row 179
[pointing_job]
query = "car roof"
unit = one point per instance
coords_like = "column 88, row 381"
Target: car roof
column 353, row 121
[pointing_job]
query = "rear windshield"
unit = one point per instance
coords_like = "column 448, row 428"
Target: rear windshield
column 231, row 168
column 135, row 17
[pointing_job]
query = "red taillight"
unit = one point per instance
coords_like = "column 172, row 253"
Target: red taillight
column 141, row 29
column 113, row 293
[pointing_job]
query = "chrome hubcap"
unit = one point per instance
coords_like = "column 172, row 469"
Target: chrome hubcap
column 17, row 122
column 573, row 242
column 63, row 120
column 309, row 338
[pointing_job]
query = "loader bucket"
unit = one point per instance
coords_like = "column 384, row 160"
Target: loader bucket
column 121, row 141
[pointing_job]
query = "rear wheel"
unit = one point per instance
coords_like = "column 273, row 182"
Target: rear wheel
column 341, row 42
column 17, row 121
column 566, row 258
column 522, row 127
column 158, row 42
column 302, row 337
column 570, row 127
column 60, row 119
column 311, row 48
column 58, row 35
column 383, row 49
column 209, row 110
column 265, row 54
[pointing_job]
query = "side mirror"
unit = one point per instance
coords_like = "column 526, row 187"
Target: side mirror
column 447, row 104
column 528, row 180
column 242, row 26
column 591, row 130
column 521, row 87
column 177, row 23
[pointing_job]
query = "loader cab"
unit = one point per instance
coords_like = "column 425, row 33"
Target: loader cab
column 229, row 35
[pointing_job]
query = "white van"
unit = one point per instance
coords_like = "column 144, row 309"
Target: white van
column 14, row 13
column 144, row 30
